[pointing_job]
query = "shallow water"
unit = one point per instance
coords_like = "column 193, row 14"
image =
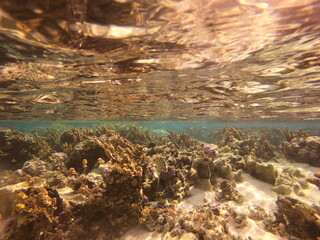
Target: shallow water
column 162, row 60
column 163, row 119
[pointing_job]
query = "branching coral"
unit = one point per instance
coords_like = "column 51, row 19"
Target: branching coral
column 181, row 140
column 34, row 211
column 15, row 148
column 135, row 134
column 95, row 184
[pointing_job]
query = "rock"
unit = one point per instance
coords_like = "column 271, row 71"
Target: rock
column 9, row 193
column 297, row 190
column 202, row 222
column 222, row 168
column 229, row 193
column 53, row 170
column 203, row 169
column 203, row 184
column 262, row 171
column 314, row 181
column 283, row 189
column 241, row 221
column 203, row 174
column 302, row 148
column 291, row 180
column 70, row 197
column 7, row 197
column 300, row 219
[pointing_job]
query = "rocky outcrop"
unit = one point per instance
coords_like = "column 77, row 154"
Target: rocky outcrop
column 302, row 148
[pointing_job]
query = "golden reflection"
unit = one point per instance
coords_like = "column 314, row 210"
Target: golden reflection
column 108, row 59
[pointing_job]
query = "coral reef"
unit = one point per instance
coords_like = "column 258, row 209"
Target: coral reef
column 302, row 148
column 172, row 179
column 209, row 150
column 263, row 171
column 259, row 146
column 299, row 219
column 228, row 192
column 47, row 211
column 15, row 148
column 205, row 222
column 291, row 180
column 34, row 208
column 230, row 134
column 139, row 135
column 202, row 179
column 96, row 184
column 181, row 140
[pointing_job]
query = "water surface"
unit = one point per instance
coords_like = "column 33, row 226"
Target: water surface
column 214, row 60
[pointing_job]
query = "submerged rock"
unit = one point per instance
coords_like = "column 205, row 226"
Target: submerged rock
column 228, row 193
column 95, row 184
column 204, row 222
column 15, row 148
column 315, row 180
column 290, row 180
column 266, row 172
column 299, row 219
column 302, row 148
column 202, row 179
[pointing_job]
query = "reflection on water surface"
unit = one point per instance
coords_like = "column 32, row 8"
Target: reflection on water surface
column 159, row 60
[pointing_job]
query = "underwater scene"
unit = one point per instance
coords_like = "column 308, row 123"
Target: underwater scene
column 159, row 120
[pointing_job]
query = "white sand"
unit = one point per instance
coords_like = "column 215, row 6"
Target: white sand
column 256, row 192
column 139, row 233
column 312, row 194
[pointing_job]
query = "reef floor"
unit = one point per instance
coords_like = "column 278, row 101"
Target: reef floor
column 125, row 182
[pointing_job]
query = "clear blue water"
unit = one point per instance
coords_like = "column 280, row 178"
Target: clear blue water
column 176, row 126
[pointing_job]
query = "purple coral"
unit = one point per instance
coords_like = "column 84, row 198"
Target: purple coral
column 210, row 150
column 216, row 205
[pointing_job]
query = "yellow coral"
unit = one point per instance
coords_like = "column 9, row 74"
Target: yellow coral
column 19, row 206
column 225, row 149
column 100, row 161
column 22, row 195
column 145, row 214
column 126, row 158
column 73, row 172
column 108, row 154
column 85, row 163
column 139, row 171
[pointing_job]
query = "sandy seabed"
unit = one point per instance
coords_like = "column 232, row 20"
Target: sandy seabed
column 256, row 192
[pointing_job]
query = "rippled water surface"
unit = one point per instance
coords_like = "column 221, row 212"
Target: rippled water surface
column 226, row 60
